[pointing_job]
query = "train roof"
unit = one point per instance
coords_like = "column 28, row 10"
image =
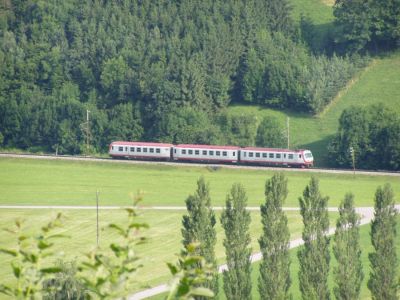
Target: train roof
column 149, row 144
column 272, row 149
column 195, row 146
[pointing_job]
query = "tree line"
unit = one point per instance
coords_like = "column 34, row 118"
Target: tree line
column 195, row 276
column 135, row 65
column 373, row 133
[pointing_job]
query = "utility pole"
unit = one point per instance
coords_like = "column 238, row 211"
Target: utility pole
column 97, row 218
column 288, row 132
column 88, row 132
column 353, row 158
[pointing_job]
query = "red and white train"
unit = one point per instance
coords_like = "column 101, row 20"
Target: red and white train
column 211, row 154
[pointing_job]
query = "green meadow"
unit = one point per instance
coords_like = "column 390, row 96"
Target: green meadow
column 163, row 245
column 57, row 182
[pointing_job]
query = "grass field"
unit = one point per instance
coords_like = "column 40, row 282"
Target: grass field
column 164, row 237
column 365, row 243
column 378, row 83
column 56, row 182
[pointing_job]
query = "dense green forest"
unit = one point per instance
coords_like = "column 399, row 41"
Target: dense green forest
column 166, row 70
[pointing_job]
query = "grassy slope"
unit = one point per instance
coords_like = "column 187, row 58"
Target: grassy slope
column 378, row 83
column 41, row 182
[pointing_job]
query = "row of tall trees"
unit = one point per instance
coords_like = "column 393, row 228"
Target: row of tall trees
column 314, row 257
column 373, row 134
column 135, row 65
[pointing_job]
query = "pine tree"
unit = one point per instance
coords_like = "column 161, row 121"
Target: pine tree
column 383, row 278
column 236, row 221
column 314, row 257
column 348, row 273
column 274, row 280
column 199, row 227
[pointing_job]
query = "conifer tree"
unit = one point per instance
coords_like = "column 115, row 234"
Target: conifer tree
column 236, row 221
column 348, row 273
column 314, row 256
column 383, row 282
column 274, row 280
column 199, row 227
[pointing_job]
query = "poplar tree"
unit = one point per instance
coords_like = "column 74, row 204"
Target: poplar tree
column 383, row 282
column 314, row 256
column 199, row 227
column 348, row 274
column 236, row 220
column 274, row 280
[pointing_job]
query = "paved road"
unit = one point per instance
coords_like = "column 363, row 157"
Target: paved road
column 366, row 214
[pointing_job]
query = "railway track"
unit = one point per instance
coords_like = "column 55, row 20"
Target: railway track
column 188, row 164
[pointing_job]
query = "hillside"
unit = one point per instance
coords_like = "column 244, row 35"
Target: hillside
column 378, row 83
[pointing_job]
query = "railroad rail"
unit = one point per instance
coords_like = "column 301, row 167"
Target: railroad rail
column 190, row 164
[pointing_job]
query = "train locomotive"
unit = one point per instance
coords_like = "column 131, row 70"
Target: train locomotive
column 211, row 154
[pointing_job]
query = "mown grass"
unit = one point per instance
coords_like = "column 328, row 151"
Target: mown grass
column 164, row 237
column 56, row 182
column 378, row 83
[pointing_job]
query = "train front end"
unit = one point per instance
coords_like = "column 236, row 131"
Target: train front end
column 308, row 158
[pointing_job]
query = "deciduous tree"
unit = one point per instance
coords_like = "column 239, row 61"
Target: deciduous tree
column 199, row 227
column 346, row 248
column 314, row 256
column 236, row 220
column 383, row 281
column 274, row 280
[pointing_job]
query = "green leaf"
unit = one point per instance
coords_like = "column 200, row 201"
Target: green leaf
column 51, row 270
column 202, row 291
column 44, row 245
column 9, row 252
column 118, row 228
column 16, row 270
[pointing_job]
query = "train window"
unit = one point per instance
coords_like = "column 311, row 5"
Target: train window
column 284, row 155
column 126, row 149
column 290, row 156
column 217, row 153
column 190, row 152
column 132, row 149
column 251, row 154
column 196, row 152
column 158, row 150
column 112, row 147
column 204, row 152
column 257, row 154
column 278, row 155
column 299, row 155
column 183, row 151
column 120, row 148
column 244, row 154
column 151, row 150
column 144, row 149
column 265, row 155
column 138, row 149
column 271, row 155
column 211, row 153
column 234, row 153
column 224, row 153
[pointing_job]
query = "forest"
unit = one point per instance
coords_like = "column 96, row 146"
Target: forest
column 167, row 70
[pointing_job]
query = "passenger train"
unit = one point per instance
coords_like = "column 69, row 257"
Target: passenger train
column 211, row 154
